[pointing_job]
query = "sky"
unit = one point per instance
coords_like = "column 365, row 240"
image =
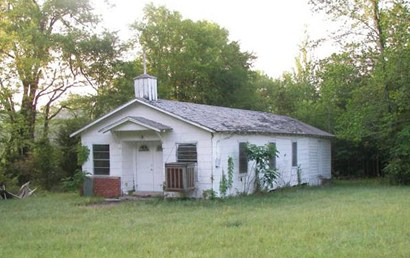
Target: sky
column 272, row 30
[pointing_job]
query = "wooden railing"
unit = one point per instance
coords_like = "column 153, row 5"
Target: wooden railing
column 179, row 177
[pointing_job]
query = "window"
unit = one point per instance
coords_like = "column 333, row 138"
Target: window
column 243, row 158
column 187, row 153
column 159, row 147
column 101, row 158
column 294, row 154
column 143, row 148
column 272, row 161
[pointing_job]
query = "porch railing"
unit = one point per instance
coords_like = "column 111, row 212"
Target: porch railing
column 179, row 177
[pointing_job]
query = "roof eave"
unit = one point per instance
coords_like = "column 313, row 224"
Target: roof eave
column 102, row 118
column 330, row 136
column 176, row 116
column 135, row 121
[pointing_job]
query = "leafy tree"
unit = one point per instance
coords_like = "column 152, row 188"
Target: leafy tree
column 46, row 48
column 195, row 61
column 370, row 112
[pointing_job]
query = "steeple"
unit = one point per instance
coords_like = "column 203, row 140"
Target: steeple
column 145, row 85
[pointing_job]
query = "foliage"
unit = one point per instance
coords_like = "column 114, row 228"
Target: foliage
column 47, row 48
column 45, row 172
column 195, row 61
column 68, row 146
column 226, row 182
column 364, row 89
column 75, row 182
column 209, row 194
column 83, row 153
column 398, row 167
column 265, row 176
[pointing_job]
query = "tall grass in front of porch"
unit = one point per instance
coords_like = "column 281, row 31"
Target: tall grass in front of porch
column 362, row 219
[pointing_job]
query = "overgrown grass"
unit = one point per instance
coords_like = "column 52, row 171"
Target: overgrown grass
column 346, row 219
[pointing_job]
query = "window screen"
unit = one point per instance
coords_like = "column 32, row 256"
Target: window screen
column 101, row 159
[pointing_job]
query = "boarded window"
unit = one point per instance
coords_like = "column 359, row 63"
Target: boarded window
column 294, row 154
column 187, row 153
column 272, row 161
column 243, row 158
column 101, row 159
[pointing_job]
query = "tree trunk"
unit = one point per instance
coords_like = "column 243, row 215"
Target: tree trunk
column 28, row 112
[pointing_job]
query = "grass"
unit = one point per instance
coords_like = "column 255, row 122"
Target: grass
column 346, row 219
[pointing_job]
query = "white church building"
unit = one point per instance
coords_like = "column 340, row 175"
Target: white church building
column 157, row 146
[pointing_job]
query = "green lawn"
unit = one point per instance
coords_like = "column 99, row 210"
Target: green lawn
column 347, row 219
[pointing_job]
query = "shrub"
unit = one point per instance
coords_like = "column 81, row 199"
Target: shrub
column 398, row 168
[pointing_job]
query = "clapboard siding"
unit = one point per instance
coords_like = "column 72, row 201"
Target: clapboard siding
column 213, row 151
column 228, row 146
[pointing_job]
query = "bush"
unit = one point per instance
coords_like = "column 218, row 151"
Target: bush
column 398, row 168
column 74, row 182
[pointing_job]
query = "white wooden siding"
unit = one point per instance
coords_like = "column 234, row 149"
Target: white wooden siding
column 121, row 145
column 228, row 146
column 314, row 158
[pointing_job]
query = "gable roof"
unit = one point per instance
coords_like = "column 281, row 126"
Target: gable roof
column 137, row 120
column 223, row 119
column 233, row 120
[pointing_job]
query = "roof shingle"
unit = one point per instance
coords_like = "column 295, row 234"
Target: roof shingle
column 223, row 119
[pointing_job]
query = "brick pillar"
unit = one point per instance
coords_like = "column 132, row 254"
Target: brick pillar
column 108, row 187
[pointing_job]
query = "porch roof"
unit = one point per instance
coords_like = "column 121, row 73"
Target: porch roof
column 140, row 123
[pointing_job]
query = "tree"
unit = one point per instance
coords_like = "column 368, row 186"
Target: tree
column 375, row 43
column 43, row 48
column 46, row 48
column 194, row 61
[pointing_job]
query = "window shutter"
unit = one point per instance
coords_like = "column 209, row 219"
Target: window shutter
column 187, row 153
column 294, row 154
column 243, row 158
column 272, row 161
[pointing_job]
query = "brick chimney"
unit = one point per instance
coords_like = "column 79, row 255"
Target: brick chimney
column 145, row 86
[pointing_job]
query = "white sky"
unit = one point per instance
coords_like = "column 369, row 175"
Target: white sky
column 270, row 29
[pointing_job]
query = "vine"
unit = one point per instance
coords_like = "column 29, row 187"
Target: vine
column 226, row 180
column 265, row 176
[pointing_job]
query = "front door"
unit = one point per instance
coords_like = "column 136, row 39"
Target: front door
column 149, row 167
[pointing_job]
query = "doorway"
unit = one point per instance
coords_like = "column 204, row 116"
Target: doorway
column 149, row 167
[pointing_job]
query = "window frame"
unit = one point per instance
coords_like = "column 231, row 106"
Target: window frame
column 105, row 169
column 187, row 157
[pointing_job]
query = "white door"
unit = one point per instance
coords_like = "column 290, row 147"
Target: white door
column 149, row 167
